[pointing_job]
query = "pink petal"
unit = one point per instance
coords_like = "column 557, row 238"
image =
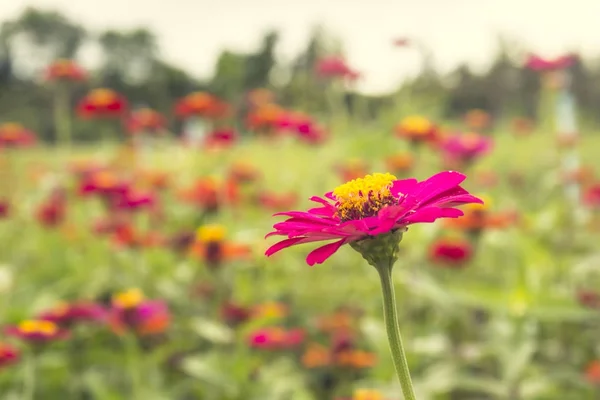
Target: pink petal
column 320, row 254
column 430, row 214
column 403, row 186
column 438, row 184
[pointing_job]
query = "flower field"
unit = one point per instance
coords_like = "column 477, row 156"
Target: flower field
column 272, row 233
column 143, row 275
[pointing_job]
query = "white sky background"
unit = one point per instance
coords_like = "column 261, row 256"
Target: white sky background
column 191, row 33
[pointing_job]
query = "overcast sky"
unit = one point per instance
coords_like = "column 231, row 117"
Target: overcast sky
column 192, row 32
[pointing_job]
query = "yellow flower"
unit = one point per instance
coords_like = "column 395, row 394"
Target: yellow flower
column 128, row 299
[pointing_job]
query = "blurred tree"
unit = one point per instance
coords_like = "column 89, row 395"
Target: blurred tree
column 128, row 56
column 38, row 37
column 258, row 66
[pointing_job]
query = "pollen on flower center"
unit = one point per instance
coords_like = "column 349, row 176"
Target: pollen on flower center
column 364, row 197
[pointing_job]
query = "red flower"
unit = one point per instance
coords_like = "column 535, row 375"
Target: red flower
column 67, row 314
column 145, row 120
column 234, row 314
column 334, row 67
column 451, row 252
column 102, row 103
column 589, row 299
column 15, row 135
column 220, row 139
column 537, row 63
column 401, row 42
column 201, row 104
column 65, row 70
column 52, row 211
column 365, row 208
column 276, row 338
column 592, row 372
column 4, row 208
column 8, row 355
column 591, row 196
column 40, row 331
column 277, row 201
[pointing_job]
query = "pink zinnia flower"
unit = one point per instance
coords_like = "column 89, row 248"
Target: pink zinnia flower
column 67, row 314
column 364, row 208
column 466, row 147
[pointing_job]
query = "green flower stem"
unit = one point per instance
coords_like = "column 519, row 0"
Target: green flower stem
column 393, row 330
column 62, row 118
column 134, row 364
column 29, row 369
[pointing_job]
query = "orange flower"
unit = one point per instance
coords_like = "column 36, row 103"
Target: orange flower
column 477, row 119
column 522, row 126
column 260, row 97
column 399, row 163
column 478, row 218
column 355, row 359
column 65, row 70
column 102, row 103
column 13, row 134
column 592, row 372
column 567, row 139
column 152, row 179
column 201, row 104
column 367, row 394
column 212, row 247
column 209, row 193
column 243, row 172
column 352, row 169
column 416, row 129
column 145, row 120
column 265, row 118
column 316, row 356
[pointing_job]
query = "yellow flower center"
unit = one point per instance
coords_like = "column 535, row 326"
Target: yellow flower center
column 367, row 394
column 129, row 299
column 46, row 328
column 271, row 310
column 199, row 99
column 11, row 130
column 364, row 197
column 416, row 125
column 105, row 180
column 101, row 97
column 211, row 233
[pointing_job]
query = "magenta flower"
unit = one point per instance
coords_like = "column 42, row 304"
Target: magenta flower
column 537, row 63
column 67, row 314
column 466, row 147
column 368, row 207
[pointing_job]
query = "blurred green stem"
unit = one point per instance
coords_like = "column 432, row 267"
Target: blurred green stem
column 62, row 119
column 393, row 330
column 133, row 364
column 29, row 369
